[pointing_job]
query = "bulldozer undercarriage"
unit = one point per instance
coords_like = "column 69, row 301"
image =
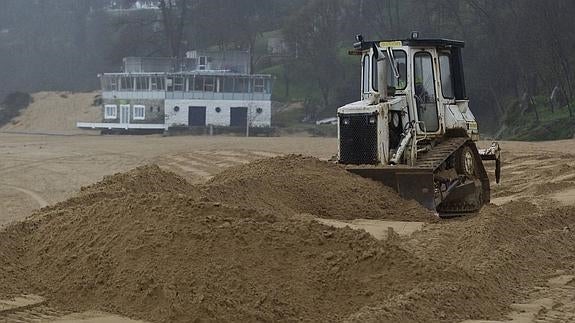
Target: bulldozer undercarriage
column 467, row 189
column 449, row 179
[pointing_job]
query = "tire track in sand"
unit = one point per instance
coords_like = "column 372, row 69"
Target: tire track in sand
column 39, row 199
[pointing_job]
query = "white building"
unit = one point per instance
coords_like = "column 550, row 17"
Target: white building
column 149, row 96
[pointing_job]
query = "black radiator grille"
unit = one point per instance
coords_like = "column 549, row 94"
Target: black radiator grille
column 358, row 139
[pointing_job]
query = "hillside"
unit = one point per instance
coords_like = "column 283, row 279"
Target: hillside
column 55, row 112
column 538, row 123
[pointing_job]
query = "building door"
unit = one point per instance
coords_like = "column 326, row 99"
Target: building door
column 197, row 116
column 239, row 117
column 125, row 113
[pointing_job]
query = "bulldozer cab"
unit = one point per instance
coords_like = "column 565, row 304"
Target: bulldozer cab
column 427, row 72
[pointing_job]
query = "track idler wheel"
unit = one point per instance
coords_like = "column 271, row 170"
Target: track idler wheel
column 468, row 197
column 465, row 163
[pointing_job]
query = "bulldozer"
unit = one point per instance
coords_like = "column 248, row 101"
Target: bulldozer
column 413, row 129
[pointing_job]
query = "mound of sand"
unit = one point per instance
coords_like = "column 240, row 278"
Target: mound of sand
column 149, row 245
column 504, row 237
column 507, row 249
column 142, row 180
column 298, row 184
column 12, row 269
column 144, row 245
column 56, row 112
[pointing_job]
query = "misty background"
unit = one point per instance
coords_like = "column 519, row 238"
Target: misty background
column 518, row 57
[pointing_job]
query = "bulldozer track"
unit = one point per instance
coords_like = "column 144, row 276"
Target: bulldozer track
column 440, row 153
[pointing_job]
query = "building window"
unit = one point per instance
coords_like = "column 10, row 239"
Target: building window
column 228, row 84
column 209, row 84
column 191, row 83
column 126, row 83
column 158, row 83
column 170, row 84
column 139, row 112
column 178, row 83
column 241, row 85
column 202, row 63
column 114, row 83
column 198, row 83
column 109, row 83
column 259, row 86
column 142, row 83
column 110, row 111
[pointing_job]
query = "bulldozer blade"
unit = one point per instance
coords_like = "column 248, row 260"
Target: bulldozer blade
column 411, row 183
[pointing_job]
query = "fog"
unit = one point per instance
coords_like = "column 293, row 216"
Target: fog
column 518, row 52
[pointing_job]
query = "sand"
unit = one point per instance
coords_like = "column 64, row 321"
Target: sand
column 472, row 268
column 298, row 184
column 56, row 112
column 148, row 245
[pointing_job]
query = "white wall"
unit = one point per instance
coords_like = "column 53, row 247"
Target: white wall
column 175, row 118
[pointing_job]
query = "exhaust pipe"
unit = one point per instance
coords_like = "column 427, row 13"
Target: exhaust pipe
column 381, row 77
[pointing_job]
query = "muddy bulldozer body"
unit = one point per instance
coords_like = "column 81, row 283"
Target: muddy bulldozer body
column 412, row 129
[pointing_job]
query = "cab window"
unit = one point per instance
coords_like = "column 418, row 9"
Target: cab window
column 365, row 74
column 446, row 76
column 424, row 89
column 401, row 64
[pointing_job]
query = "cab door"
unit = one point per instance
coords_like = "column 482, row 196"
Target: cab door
column 453, row 117
column 425, row 94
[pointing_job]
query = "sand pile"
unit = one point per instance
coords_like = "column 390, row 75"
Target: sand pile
column 149, row 245
column 298, row 184
column 139, row 244
column 142, row 180
column 12, row 270
column 56, row 112
column 517, row 234
column 507, row 250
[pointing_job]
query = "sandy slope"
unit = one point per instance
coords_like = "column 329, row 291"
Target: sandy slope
column 56, row 112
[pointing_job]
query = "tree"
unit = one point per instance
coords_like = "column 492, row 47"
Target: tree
column 313, row 33
column 174, row 15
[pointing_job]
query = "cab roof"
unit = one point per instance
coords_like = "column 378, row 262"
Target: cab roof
column 434, row 42
column 414, row 42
